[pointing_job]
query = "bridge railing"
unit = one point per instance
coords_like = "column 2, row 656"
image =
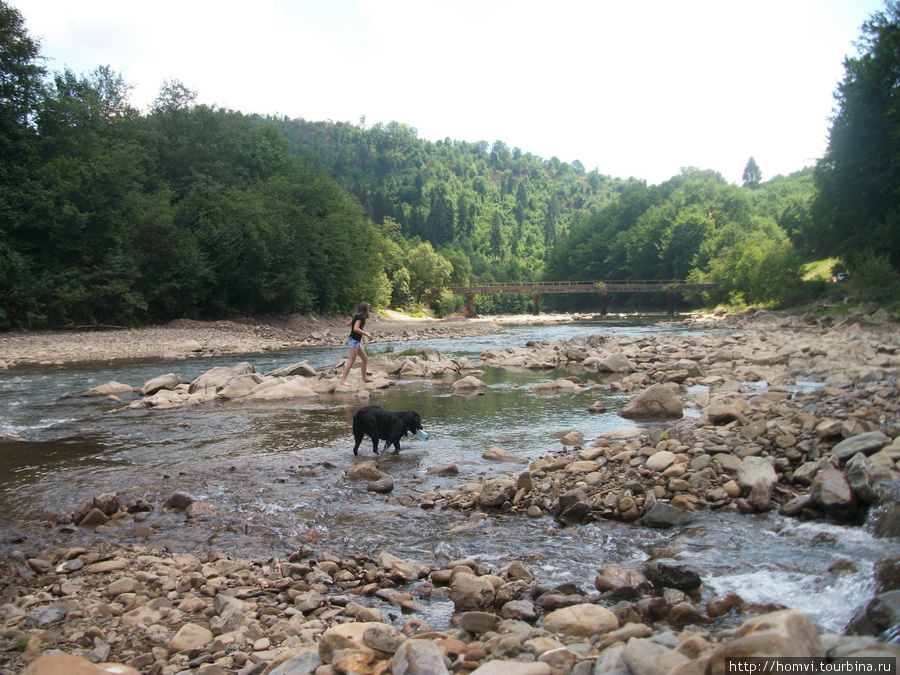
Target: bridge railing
column 587, row 286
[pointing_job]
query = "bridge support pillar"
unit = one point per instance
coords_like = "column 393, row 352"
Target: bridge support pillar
column 603, row 304
column 535, row 303
column 670, row 304
column 470, row 304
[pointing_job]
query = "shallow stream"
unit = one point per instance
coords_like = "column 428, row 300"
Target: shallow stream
column 274, row 471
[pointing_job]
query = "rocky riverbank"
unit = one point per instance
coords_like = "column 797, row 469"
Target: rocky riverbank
column 800, row 414
column 139, row 610
column 185, row 339
column 787, row 414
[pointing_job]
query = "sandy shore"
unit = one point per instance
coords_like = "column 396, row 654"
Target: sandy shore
column 190, row 339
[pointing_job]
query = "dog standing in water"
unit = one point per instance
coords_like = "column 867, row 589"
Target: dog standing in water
column 381, row 425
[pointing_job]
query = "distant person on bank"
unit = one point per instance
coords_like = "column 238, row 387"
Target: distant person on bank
column 357, row 323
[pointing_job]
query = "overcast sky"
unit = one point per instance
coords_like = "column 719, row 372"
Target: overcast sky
column 632, row 87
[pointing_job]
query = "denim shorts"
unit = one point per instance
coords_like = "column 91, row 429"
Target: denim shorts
column 354, row 344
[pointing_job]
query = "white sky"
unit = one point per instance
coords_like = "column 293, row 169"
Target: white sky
column 631, row 87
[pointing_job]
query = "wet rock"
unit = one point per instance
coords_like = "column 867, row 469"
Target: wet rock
column 519, row 610
column 665, row 573
column 575, row 513
column 443, row 470
column 721, row 605
column 866, row 443
column 108, row 503
column 760, row 496
column 612, row 577
column 581, row 620
column 658, row 400
column 418, row 657
column 598, row 407
column 861, row 478
column 887, row 520
column 397, row 568
column 555, row 386
column 831, row 492
column 756, row 469
column 880, row 614
column 110, row 389
column 572, row 438
column 686, row 614
column 469, row 592
column 496, row 491
column 210, row 382
column 382, row 485
column 645, row 657
column 468, row 384
column 478, row 622
column 784, row 633
column 496, row 454
column 93, row 518
column 340, row 637
column 179, row 501
column 302, row 369
column 383, row 637
column 663, row 516
column 367, row 470
column 616, row 363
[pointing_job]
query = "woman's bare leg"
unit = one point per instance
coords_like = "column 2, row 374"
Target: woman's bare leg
column 363, row 363
column 349, row 365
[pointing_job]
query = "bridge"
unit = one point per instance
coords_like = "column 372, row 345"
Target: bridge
column 601, row 288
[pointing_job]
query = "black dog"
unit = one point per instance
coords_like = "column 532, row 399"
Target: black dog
column 380, row 424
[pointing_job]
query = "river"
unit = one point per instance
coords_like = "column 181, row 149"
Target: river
column 275, row 473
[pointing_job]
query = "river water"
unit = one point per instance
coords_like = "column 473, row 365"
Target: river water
column 274, row 471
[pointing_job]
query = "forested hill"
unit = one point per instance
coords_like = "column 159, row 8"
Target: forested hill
column 501, row 207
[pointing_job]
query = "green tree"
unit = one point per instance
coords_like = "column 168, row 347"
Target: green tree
column 429, row 273
column 496, row 234
column 752, row 174
column 21, row 75
column 21, row 90
column 858, row 178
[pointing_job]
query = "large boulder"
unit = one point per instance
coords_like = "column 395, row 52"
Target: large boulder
column 663, row 516
column 665, row 573
column 496, row 491
column 110, row 389
column 302, row 369
column 785, row 633
column 861, row 478
column 240, row 386
column 468, row 384
column 754, row 470
column 612, row 577
column 281, row 389
column 469, row 592
column 216, row 378
column 418, row 657
column 646, row 657
column 867, row 443
column 658, row 400
column 832, row 493
column 581, row 620
column 168, row 381
column 616, row 363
